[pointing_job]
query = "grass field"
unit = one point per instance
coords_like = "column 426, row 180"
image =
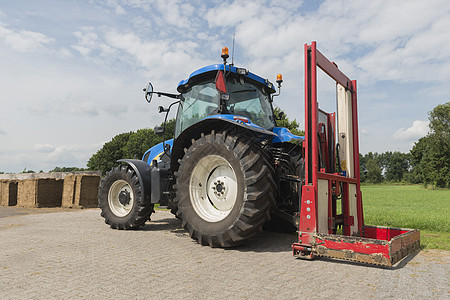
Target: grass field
column 410, row 206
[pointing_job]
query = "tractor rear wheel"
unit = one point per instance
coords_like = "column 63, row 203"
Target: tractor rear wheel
column 121, row 200
column 225, row 189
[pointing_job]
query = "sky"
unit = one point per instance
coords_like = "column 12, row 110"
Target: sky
column 72, row 72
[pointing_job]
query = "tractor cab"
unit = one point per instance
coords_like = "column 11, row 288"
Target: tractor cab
column 226, row 92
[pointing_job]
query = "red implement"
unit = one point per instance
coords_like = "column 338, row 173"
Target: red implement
column 331, row 196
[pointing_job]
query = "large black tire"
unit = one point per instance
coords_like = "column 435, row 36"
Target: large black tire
column 225, row 189
column 121, row 200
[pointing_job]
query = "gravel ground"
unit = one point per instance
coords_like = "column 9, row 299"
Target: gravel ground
column 73, row 254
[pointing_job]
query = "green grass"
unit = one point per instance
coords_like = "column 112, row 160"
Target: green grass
column 410, row 206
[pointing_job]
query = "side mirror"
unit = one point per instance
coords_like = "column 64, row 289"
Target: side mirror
column 148, row 92
column 161, row 109
column 159, row 130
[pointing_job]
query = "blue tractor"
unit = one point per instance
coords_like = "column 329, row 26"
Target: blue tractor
column 227, row 172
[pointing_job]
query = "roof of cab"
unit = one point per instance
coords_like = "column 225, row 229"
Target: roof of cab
column 184, row 84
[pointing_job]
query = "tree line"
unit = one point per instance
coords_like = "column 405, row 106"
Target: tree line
column 428, row 162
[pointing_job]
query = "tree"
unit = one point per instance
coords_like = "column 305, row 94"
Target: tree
column 372, row 172
column 430, row 156
column 284, row 121
column 106, row 158
column 143, row 139
column 27, row 171
column 395, row 165
column 67, row 169
column 128, row 145
column 362, row 167
column 440, row 120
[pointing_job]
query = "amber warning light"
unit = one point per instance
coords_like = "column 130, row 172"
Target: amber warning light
column 225, row 53
column 279, row 78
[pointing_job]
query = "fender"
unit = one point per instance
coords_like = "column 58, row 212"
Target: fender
column 143, row 172
column 156, row 151
column 284, row 135
column 206, row 125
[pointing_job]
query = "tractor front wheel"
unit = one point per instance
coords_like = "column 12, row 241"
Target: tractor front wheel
column 225, row 190
column 121, row 200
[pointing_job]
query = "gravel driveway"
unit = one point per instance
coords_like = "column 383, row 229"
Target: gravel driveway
column 75, row 255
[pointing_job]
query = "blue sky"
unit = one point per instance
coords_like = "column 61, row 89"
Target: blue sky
column 72, row 72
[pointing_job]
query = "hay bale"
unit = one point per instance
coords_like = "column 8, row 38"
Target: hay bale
column 2, row 197
column 69, row 188
column 80, row 191
column 49, row 192
column 26, row 193
column 42, row 192
column 8, row 192
column 88, row 190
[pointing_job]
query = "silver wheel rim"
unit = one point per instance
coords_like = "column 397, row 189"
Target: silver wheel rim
column 119, row 209
column 213, row 188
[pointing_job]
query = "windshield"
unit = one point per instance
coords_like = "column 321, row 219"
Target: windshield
column 250, row 101
column 197, row 103
column 203, row 100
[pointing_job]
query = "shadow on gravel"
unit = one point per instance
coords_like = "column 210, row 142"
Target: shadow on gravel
column 267, row 241
column 263, row 242
column 168, row 224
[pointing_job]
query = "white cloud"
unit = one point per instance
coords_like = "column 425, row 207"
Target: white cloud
column 118, row 9
column 78, row 105
column 24, row 40
column 417, row 130
column 163, row 58
column 44, row 148
column 87, row 40
column 63, row 53
column 232, row 14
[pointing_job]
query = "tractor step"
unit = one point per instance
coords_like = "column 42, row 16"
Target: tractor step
column 382, row 246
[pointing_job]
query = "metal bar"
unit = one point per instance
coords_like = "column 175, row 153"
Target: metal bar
column 308, row 221
column 359, row 207
column 332, row 141
column 340, row 178
column 307, row 116
column 345, row 209
column 332, row 70
column 330, row 208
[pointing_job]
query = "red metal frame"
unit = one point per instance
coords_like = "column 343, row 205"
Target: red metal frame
column 379, row 245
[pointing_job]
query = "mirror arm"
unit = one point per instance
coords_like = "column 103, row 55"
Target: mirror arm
column 174, row 96
column 164, row 127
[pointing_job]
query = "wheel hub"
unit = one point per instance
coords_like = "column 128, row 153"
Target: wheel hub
column 213, row 188
column 124, row 197
column 120, row 198
column 218, row 188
